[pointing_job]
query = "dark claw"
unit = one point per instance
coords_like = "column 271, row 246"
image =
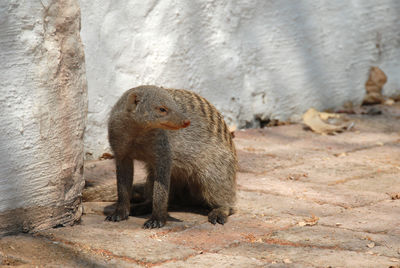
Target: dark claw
column 153, row 223
column 217, row 217
column 116, row 216
column 213, row 220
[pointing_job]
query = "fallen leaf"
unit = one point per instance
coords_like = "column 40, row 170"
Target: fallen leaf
column 394, row 196
column 106, row 156
column 325, row 123
column 296, row 177
column 389, row 102
column 371, row 245
column 276, row 122
column 232, row 129
column 287, row 261
column 377, row 78
column 250, row 238
column 373, row 98
column 341, row 154
column 309, row 221
column 327, row 116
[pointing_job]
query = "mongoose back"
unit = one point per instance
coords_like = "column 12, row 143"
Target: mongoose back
column 186, row 146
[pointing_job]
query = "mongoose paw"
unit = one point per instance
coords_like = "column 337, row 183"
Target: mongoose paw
column 153, row 223
column 118, row 215
column 216, row 216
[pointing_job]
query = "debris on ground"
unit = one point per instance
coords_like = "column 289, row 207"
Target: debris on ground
column 287, row 261
column 106, row 156
column 296, row 176
column 251, row 238
column 326, row 123
column 309, row 221
column 276, row 122
column 377, row 78
column 232, row 129
column 389, row 102
column 395, row 196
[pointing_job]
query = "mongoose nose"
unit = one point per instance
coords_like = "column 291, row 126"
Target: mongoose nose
column 186, row 123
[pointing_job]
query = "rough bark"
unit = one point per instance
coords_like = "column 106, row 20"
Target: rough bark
column 43, row 104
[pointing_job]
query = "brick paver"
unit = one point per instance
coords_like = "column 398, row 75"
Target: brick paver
column 304, row 200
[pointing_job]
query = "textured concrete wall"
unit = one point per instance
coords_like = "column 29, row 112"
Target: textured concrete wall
column 43, row 110
column 254, row 60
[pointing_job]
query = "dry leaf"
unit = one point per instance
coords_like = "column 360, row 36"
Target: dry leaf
column 250, row 238
column 394, row 196
column 106, row 156
column 325, row 123
column 373, row 98
column 287, row 261
column 371, row 245
column 389, row 102
column 276, row 122
column 296, row 177
column 341, row 154
column 232, row 129
column 309, row 222
column 377, row 78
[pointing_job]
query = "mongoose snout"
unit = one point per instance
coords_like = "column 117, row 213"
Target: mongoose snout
column 170, row 123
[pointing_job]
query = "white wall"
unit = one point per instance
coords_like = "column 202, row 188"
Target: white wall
column 43, row 106
column 264, row 59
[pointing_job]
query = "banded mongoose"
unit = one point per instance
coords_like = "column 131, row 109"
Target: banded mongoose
column 186, row 147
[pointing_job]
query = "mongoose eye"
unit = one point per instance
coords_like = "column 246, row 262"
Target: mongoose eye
column 162, row 110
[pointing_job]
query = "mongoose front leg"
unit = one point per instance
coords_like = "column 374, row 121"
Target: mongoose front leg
column 124, row 187
column 162, row 178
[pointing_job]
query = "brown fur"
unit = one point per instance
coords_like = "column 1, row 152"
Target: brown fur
column 188, row 151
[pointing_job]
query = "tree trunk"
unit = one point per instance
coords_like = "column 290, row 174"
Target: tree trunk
column 43, row 107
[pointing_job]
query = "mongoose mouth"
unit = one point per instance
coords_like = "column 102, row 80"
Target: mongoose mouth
column 185, row 124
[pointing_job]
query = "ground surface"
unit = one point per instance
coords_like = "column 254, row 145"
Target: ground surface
column 304, row 200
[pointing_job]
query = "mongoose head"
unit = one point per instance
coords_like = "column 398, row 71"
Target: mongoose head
column 153, row 107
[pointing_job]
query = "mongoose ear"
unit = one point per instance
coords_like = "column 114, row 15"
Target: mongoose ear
column 133, row 100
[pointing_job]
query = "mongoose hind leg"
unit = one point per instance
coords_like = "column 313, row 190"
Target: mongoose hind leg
column 138, row 194
column 142, row 195
column 142, row 208
column 219, row 215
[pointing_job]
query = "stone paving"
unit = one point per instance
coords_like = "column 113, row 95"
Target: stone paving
column 304, row 200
